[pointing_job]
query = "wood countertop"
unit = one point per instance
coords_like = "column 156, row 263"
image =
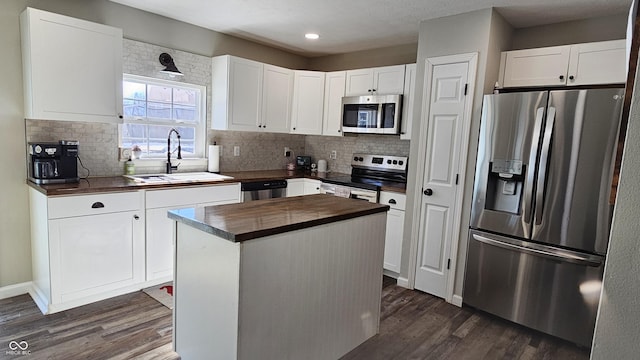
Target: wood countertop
column 120, row 183
column 246, row 221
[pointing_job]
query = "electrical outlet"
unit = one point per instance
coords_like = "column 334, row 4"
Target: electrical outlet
column 334, row 155
column 287, row 152
column 236, row 150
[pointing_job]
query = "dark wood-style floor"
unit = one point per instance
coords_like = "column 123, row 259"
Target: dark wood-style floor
column 413, row 325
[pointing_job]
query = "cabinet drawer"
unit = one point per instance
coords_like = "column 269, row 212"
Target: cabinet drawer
column 193, row 195
column 393, row 199
column 82, row 205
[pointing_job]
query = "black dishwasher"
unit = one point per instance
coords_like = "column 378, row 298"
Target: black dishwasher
column 258, row 190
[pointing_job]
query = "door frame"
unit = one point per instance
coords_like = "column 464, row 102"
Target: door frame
column 430, row 63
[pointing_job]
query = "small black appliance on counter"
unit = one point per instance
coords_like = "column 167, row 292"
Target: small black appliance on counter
column 303, row 163
column 53, row 163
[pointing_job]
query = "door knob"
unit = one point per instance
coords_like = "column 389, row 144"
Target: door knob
column 428, row 192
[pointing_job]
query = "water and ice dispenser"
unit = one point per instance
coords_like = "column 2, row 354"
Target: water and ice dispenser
column 504, row 185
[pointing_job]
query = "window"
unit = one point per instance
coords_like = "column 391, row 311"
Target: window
column 152, row 107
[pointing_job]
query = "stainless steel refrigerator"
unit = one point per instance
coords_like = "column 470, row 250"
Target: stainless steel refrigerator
column 541, row 209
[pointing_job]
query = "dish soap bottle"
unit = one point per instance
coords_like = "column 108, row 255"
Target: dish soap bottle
column 129, row 167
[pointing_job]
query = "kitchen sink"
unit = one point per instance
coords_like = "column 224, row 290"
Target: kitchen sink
column 178, row 178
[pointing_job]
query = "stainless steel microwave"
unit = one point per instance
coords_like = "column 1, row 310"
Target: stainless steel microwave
column 371, row 114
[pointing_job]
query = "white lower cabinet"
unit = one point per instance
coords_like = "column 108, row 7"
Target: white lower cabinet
column 160, row 240
column 395, row 229
column 85, row 248
column 298, row 187
column 311, row 186
column 295, row 187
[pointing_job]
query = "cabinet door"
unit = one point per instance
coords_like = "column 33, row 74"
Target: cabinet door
column 311, row 187
column 160, row 244
column 393, row 240
column 72, row 68
column 333, row 92
column 598, row 63
column 95, row 254
column 388, row 80
column 295, row 187
column 245, row 94
column 308, row 103
column 359, row 82
column 407, row 101
column 536, row 67
column 277, row 95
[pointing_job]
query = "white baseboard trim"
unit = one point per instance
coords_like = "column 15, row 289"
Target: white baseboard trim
column 39, row 298
column 404, row 282
column 15, row 290
column 457, row 300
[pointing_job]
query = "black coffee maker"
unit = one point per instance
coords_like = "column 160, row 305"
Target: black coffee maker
column 53, row 163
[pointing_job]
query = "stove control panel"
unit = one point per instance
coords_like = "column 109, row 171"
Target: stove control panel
column 380, row 162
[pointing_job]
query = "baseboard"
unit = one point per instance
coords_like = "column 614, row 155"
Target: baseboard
column 403, row 282
column 39, row 298
column 15, row 290
column 457, row 300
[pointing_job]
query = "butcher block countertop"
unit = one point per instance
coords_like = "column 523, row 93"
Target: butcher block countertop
column 246, row 221
column 120, row 183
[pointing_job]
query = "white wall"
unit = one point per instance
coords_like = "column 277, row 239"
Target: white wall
column 616, row 334
column 15, row 250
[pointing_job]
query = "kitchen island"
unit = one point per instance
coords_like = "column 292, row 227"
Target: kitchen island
column 288, row 278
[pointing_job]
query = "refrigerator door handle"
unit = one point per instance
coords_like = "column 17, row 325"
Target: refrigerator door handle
column 553, row 254
column 544, row 159
column 535, row 142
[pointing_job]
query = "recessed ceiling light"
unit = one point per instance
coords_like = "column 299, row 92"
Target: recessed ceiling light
column 312, row 36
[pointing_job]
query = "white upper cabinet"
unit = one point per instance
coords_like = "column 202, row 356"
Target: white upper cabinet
column 72, row 68
column 277, row 95
column 407, row 101
column 578, row 64
column 597, row 63
column 333, row 94
column 376, row 81
column 250, row 96
column 308, row 102
column 236, row 93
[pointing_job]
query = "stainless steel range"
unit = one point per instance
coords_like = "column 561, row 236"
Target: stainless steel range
column 369, row 173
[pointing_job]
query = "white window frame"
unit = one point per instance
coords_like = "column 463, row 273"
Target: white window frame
column 201, row 128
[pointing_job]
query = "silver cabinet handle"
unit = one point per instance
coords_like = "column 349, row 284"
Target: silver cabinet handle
column 564, row 256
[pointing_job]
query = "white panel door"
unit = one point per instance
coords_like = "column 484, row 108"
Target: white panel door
column 446, row 121
column 537, row 67
column 333, row 93
column 308, row 103
column 388, row 80
column 245, row 99
column 598, row 63
column 277, row 95
column 95, row 254
column 359, row 82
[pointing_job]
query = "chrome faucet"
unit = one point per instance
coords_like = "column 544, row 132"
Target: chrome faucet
column 170, row 168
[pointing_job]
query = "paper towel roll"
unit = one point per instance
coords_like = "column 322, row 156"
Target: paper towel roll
column 214, row 158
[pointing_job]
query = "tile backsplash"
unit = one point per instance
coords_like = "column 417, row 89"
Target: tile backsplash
column 98, row 142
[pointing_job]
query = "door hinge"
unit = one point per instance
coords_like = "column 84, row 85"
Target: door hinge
column 466, row 86
column 457, row 178
column 448, row 264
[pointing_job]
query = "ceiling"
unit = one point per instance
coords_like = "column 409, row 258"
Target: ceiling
column 353, row 25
